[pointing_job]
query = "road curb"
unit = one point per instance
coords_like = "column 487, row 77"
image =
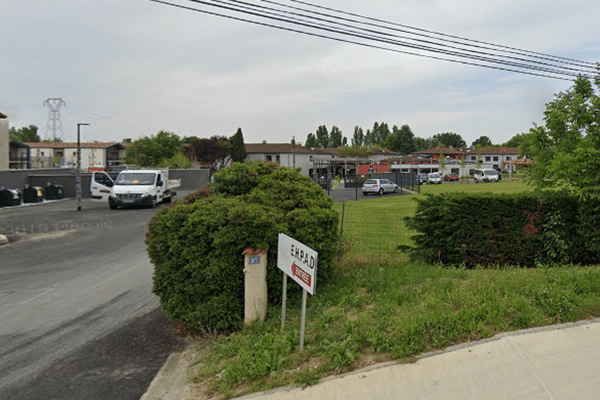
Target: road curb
column 171, row 382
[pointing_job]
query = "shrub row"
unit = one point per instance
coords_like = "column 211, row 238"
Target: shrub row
column 196, row 246
column 522, row 229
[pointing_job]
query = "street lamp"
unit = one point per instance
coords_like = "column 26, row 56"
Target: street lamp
column 78, row 181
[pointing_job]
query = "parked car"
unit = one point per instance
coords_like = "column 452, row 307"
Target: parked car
column 434, row 177
column 379, row 186
column 451, row 177
column 422, row 178
column 486, row 175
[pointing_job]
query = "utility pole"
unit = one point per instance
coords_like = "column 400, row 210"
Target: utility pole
column 78, row 178
column 54, row 123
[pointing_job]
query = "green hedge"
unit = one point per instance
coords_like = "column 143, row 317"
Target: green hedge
column 524, row 229
column 196, row 246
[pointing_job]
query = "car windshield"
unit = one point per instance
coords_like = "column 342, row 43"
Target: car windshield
column 434, row 175
column 489, row 172
column 136, row 178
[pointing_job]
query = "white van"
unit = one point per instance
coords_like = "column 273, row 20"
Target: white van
column 486, row 175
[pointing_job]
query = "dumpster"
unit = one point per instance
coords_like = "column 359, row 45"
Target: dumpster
column 54, row 192
column 33, row 194
column 10, row 197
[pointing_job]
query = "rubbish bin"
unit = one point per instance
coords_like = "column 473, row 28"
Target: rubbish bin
column 54, row 192
column 10, row 197
column 33, row 194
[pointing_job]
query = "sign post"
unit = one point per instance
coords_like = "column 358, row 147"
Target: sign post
column 299, row 262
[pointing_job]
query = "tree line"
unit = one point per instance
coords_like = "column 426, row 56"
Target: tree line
column 401, row 140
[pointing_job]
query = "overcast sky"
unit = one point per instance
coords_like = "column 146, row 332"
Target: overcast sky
column 130, row 68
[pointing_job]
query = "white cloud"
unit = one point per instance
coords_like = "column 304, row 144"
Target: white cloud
column 132, row 68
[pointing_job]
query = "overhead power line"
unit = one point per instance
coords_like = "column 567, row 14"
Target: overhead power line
column 379, row 34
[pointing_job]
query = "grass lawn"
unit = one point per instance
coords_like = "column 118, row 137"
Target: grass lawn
column 381, row 307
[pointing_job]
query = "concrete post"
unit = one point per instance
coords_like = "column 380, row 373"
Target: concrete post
column 255, row 281
column 4, row 143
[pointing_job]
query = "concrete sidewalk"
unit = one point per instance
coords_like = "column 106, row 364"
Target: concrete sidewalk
column 557, row 362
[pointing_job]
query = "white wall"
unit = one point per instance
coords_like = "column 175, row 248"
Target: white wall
column 4, row 144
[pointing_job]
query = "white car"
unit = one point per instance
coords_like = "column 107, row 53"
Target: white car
column 379, row 186
column 486, row 175
column 434, row 177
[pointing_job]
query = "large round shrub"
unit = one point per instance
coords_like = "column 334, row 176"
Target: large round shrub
column 196, row 246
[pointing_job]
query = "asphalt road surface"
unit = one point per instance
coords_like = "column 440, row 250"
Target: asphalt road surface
column 77, row 316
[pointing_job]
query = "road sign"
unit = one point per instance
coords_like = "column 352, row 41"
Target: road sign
column 297, row 261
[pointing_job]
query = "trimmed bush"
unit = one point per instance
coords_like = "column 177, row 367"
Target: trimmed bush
column 549, row 228
column 196, row 246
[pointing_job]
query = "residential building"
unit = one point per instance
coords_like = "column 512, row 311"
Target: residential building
column 95, row 156
column 288, row 155
column 460, row 161
column 313, row 161
column 19, row 157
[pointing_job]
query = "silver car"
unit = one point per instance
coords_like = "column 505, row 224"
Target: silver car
column 379, row 186
column 434, row 177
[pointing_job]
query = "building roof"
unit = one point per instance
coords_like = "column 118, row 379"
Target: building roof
column 3, row 116
column 254, row 148
column 14, row 143
column 470, row 150
column 73, row 145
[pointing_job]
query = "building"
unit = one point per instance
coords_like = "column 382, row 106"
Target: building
column 96, row 156
column 459, row 161
column 288, row 155
column 19, row 155
column 313, row 161
column 4, row 142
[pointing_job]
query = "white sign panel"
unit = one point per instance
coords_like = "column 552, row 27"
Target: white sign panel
column 297, row 261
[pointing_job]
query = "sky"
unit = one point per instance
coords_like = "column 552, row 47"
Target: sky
column 132, row 68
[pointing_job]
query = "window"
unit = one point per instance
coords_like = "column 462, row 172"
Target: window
column 269, row 158
column 278, row 158
column 495, row 166
column 508, row 158
column 454, row 171
column 488, row 158
column 495, row 158
column 473, row 158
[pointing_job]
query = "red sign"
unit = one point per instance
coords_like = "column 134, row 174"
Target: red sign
column 301, row 274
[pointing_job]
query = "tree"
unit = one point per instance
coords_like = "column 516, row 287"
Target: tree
column 378, row 135
column 151, row 151
column 483, row 141
column 322, row 136
column 566, row 149
column 449, row 139
column 425, row 144
column 24, row 134
column 401, row 140
column 359, row 137
column 335, row 137
column 214, row 152
column 311, row 140
column 238, row 149
column 516, row 141
column 196, row 246
column 442, row 163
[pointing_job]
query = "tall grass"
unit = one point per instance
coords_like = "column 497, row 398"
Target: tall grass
column 381, row 307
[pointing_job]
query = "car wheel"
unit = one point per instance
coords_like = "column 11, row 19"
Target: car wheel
column 153, row 202
column 396, row 189
column 380, row 191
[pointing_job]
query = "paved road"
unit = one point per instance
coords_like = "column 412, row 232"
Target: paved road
column 78, row 317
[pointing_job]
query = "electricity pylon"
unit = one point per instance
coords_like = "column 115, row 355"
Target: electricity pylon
column 54, row 123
